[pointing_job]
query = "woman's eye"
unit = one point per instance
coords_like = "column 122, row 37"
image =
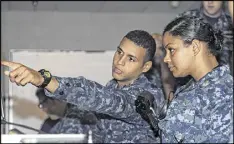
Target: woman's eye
column 171, row 50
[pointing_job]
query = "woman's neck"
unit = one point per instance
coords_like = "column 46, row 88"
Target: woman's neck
column 204, row 66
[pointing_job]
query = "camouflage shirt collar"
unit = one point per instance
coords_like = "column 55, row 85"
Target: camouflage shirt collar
column 210, row 77
column 141, row 79
column 213, row 75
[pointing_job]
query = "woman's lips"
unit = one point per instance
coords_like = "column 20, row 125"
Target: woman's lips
column 171, row 68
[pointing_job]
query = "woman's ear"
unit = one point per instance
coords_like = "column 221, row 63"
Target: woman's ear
column 196, row 47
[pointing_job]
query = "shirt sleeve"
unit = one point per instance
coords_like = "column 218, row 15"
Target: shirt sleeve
column 92, row 96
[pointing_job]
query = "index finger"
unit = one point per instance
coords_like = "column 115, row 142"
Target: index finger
column 9, row 64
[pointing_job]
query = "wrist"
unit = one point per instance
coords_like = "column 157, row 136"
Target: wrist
column 53, row 85
column 41, row 80
column 45, row 78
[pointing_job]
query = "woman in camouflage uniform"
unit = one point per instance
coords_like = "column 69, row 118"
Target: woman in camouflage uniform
column 201, row 110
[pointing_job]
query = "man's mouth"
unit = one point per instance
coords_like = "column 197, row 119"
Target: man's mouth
column 210, row 7
column 116, row 70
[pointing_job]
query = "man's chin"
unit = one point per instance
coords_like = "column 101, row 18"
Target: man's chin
column 117, row 77
column 213, row 13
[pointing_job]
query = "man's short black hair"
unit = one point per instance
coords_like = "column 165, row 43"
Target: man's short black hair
column 143, row 39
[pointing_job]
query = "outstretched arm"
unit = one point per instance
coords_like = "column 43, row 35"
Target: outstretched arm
column 85, row 94
column 90, row 95
column 22, row 75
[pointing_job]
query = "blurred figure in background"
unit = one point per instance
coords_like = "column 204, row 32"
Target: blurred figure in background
column 230, row 8
column 214, row 13
column 60, row 112
column 160, row 73
column 54, row 108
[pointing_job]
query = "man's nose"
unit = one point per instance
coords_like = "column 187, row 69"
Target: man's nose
column 210, row 2
column 121, row 60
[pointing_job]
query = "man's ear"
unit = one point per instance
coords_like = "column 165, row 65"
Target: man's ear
column 147, row 66
column 196, row 47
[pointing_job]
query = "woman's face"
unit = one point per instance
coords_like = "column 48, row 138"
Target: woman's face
column 178, row 56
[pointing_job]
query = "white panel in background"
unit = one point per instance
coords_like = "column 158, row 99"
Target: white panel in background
column 23, row 108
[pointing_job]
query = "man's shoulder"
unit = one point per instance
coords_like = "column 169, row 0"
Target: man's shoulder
column 192, row 12
column 146, row 85
column 138, row 86
column 228, row 17
column 152, row 89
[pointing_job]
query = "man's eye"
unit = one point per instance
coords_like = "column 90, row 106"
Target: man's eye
column 119, row 52
column 131, row 59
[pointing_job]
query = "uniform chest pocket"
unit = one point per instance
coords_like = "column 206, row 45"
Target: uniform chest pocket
column 198, row 119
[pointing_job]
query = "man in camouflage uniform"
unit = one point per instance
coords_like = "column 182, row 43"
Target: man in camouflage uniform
column 214, row 13
column 112, row 107
column 213, row 95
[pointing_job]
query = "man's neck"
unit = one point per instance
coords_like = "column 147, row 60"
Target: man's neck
column 218, row 14
column 121, row 84
column 127, row 82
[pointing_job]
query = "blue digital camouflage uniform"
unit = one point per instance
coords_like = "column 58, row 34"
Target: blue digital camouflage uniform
column 114, row 107
column 78, row 121
column 224, row 24
column 201, row 111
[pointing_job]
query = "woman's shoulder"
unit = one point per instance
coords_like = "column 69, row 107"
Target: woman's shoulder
column 219, row 82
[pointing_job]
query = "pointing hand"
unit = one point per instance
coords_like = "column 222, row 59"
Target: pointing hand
column 22, row 75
